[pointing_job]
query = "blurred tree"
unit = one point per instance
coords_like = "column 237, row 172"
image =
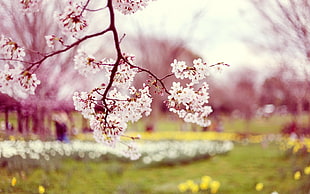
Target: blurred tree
column 286, row 27
column 245, row 94
column 60, row 79
column 237, row 97
column 223, row 101
column 282, row 88
column 286, row 34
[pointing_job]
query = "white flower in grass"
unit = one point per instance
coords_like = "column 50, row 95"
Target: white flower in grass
column 131, row 151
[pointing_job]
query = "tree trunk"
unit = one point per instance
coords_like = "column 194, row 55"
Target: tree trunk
column 26, row 122
column 20, row 119
column 6, row 118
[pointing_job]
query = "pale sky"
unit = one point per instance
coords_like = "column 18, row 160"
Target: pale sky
column 216, row 34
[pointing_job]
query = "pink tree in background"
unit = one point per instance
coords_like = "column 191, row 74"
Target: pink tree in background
column 115, row 101
column 58, row 78
column 286, row 31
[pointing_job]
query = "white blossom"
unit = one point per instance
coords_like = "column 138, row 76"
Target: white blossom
column 52, row 39
column 190, row 104
column 72, row 20
column 10, row 49
column 28, row 82
column 108, row 119
column 84, row 102
column 107, row 128
column 17, row 84
column 195, row 73
column 129, row 6
column 131, row 151
column 125, row 73
column 30, row 5
column 85, row 63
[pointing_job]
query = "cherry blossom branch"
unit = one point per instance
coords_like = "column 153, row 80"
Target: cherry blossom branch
column 39, row 62
column 94, row 10
column 112, row 28
column 84, row 7
column 150, row 73
column 115, row 102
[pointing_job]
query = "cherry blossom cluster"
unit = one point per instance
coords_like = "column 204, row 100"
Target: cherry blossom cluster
column 190, row 102
column 126, row 73
column 195, row 73
column 87, row 64
column 52, row 39
column 10, row 49
column 30, row 5
column 108, row 118
column 14, row 80
column 17, row 84
column 129, row 6
column 73, row 20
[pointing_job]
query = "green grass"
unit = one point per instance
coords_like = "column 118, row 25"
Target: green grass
column 237, row 171
column 258, row 125
column 272, row 124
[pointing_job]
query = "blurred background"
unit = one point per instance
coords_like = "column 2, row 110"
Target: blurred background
column 264, row 93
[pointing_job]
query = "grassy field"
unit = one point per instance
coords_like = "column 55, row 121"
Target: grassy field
column 238, row 172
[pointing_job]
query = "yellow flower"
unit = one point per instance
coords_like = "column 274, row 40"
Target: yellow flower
column 190, row 183
column 307, row 170
column 297, row 175
column 194, row 188
column 41, row 189
column 13, row 181
column 214, row 186
column 204, row 185
column 259, row 186
column 12, row 138
column 205, row 180
column 182, row 187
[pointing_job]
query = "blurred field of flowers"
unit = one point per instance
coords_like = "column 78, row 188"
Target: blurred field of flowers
column 171, row 162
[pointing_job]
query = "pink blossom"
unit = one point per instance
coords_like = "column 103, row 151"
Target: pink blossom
column 10, row 49
column 86, row 64
column 72, row 20
column 195, row 73
column 17, row 84
column 30, row 5
column 190, row 104
column 52, row 39
column 129, row 6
